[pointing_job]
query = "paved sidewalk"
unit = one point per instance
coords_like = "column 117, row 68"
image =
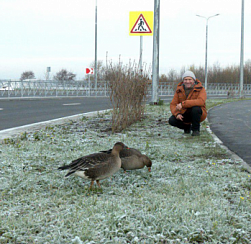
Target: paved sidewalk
column 231, row 123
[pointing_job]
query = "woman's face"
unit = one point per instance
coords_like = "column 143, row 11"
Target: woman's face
column 188, row 82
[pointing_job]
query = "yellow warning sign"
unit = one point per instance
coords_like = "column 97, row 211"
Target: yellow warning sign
column 141, row 23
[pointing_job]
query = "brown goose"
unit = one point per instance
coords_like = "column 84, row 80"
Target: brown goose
column 133, row 159
column 96, row 166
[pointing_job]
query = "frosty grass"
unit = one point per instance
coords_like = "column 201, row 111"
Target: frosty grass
column 194, row 194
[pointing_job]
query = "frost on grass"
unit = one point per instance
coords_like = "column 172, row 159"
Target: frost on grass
column 194, row 194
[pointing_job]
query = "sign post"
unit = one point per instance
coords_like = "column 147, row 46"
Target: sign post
column 89, row 84
column 48, row 70
column 141, row 24
column 89, row 72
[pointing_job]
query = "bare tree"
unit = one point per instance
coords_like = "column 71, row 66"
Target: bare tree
column 247, row 72
column 173, row 78
column 163, row 79
column 64, row 75
column 27, row 75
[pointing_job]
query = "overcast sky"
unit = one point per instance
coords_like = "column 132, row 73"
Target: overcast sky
column 36, row 34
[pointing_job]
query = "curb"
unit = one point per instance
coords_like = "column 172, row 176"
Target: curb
column 40, row 125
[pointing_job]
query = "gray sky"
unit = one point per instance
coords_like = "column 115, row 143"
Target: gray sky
column 60, row 34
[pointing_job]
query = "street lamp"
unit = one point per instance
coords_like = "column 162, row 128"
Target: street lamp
column 242, row 50
column 96, row 69
column 155, row 57
column 207, row 18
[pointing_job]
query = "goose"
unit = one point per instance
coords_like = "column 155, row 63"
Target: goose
column 132, row 158
column 96, row 166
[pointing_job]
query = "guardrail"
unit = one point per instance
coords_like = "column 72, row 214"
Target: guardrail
column 41, row 88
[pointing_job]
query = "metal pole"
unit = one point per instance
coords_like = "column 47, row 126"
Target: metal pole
column 89, row 85
column 96, row 70
column 207, row 18
column 242, row 50
column 106, row 65
column 140, row 55
column 106, row 60
column 155, row 66
column 206, row 56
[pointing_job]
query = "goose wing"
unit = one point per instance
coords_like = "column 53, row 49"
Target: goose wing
column 126, row 152
column 86, row 162
column 107, row 151
column 129, row 152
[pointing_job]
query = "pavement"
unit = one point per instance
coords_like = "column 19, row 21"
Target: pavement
column 231, row 123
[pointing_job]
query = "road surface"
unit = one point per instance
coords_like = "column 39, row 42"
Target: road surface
column 18, row 112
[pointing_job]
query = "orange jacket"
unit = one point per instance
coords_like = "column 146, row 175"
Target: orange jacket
column 197, row 97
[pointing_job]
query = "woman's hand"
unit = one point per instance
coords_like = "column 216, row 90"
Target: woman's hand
column 179, row 106
column 179, row 117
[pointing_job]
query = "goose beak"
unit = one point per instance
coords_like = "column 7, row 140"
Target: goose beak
column 126, row 147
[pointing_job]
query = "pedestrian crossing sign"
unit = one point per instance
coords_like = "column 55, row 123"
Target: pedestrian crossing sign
column 141, row 23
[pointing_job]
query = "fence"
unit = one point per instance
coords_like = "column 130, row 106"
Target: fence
column 41, row 88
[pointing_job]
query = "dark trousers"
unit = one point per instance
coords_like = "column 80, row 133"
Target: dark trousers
column 191, row 116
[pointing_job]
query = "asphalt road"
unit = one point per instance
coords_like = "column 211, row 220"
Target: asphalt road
column 231, row 122
column 18, row 112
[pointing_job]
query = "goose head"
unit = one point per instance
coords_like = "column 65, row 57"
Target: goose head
column 118, row 146
column 147, row 162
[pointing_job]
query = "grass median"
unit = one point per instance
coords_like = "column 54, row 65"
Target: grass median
column 194, row 194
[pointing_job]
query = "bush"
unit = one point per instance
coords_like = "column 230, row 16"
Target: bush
column 128, row 90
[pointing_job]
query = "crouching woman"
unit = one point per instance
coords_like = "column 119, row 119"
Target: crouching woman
column 188, row 106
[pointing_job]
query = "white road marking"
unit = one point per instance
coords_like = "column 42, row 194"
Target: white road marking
column 71, row 104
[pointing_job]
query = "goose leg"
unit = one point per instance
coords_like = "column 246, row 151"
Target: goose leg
column 92, row 182
column 98, row 183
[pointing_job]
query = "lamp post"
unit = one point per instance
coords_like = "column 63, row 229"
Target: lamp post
column 155, row 59
column 242, row 50
column 96, row 69
column 207, row 18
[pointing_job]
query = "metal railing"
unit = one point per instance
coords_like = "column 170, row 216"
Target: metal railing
column 42, row 88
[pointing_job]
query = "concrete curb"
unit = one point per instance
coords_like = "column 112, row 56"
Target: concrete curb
column 232, row 154
column 8, row 133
